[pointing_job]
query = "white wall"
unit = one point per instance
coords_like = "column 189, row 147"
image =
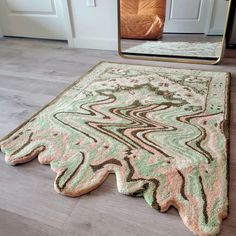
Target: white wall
column 94, row 27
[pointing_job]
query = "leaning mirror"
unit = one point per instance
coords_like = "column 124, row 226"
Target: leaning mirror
column 173, row 30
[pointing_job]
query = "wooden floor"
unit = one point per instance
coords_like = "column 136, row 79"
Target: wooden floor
column 31, row 73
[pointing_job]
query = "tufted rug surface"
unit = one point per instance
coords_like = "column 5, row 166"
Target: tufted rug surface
column 162, row 131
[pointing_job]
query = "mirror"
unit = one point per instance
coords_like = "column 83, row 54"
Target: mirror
column 173, row 30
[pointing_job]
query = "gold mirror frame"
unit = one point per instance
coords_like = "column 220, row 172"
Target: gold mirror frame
column 167, row 59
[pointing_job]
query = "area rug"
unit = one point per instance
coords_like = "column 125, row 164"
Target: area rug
column 162, row 131
column 186, row 49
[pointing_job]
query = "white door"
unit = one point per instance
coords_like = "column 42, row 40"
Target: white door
column 187, row 16
column 35, row 19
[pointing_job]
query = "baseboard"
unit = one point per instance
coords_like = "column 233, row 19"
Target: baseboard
column 95, row 43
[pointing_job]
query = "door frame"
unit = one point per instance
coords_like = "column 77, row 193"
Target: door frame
column 211, row 30
column 209, row 17
column 68, row 21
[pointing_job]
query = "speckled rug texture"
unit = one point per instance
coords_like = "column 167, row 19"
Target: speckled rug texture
column 183, row 49
column 162, row 131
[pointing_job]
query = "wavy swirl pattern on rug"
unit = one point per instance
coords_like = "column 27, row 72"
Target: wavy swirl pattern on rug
column 162, row 131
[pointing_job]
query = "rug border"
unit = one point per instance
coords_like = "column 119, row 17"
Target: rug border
column 167, row 67
column 227, row 136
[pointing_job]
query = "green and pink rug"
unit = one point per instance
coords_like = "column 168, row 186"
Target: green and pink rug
column 162, row 131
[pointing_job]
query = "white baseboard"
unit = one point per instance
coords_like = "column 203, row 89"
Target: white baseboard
column 95, row 43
